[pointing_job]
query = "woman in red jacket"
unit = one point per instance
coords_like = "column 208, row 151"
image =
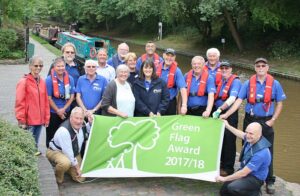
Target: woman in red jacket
column 32, row 106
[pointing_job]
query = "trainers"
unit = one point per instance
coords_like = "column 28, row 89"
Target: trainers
column 270, row 188
column 38, row 153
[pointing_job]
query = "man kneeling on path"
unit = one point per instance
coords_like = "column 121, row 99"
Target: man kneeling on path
column 255, row 159
column 64, row 148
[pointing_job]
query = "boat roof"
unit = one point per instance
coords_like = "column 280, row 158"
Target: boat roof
column 81, row 36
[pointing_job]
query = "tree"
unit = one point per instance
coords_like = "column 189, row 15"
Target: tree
column 133, row 136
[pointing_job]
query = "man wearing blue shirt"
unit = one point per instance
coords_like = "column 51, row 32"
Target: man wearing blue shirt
column 172, row 75
column 200, row 89
column 150, row 49
column 227, row 92
column 261, row 92
column 119, row 58
column 255, row 159
column 90, row 88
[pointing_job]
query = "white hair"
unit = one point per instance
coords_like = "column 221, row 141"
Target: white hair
column 214, row 51
column 200, row 58
column 77, row 110
column 122, row 67
column 90, row 61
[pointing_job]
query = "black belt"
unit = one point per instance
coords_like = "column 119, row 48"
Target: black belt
column 195, row 94
column 258, row 117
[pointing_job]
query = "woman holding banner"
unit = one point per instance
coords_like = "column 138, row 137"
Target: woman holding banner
column 118, row 99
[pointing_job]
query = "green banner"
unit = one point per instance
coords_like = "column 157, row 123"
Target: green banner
column 178, row 146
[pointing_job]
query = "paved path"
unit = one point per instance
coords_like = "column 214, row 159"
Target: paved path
column 10, row 74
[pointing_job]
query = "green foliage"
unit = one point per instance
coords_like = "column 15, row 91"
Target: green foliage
column 18, row 165
column 282, row 49
column 9, row 44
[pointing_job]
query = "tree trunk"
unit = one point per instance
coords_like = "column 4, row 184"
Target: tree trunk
column 233, row 30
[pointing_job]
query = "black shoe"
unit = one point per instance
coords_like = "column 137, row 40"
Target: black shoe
column 270, row 188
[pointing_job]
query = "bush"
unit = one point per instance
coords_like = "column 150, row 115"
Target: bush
column 283, row 49
column 9, row 43
column 18, row 165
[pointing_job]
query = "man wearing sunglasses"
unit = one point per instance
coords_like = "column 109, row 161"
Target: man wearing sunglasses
column 227, row 91
column 264, row 97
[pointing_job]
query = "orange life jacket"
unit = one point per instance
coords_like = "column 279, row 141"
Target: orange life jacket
column 55, row 84
column 268, row 89
column 155, row 59
column 226, row 88
column 218, row 74
column 203, row 82
column 171, row 77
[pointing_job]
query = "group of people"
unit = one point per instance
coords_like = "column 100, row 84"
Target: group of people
column 151, row 85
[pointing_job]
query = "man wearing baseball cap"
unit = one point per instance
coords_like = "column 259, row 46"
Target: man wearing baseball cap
column 264, row 97
column 169, row 71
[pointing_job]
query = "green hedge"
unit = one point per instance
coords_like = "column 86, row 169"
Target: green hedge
column 18, row 165
column 10, row 44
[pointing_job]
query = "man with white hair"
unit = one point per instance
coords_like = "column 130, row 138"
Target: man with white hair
column 90, row 88
column 64, row 148
column 213, row 64
column 255, row 159
column 119, row 58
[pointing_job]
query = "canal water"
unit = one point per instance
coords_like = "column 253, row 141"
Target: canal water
column 287, row 138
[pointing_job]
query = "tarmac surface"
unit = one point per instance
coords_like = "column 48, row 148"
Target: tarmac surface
column 10, row 75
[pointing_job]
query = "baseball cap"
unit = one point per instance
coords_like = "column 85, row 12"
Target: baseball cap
column 261, row 60
column 225, row 64
column 170, row 51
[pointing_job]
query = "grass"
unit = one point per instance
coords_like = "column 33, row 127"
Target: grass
column 50, row 47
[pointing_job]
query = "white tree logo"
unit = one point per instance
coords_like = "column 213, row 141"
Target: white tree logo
column 131, row 136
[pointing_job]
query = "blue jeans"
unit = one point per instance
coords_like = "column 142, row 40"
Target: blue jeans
column 36, row 131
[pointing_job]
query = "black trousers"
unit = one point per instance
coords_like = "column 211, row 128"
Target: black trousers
column 172, row 108
column 247, row 186
column 229, row 145
column 268, row 133
column 54, row 124
column 196, row 111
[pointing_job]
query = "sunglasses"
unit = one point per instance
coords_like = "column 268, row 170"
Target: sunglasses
column 224, row 67
column 91, row 67
column 69, row 52
column 262, row 65
column 36, row 66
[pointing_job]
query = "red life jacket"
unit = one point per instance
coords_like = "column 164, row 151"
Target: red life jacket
column 268, row 89
column 218, row 74
column 155, row 59
column 203, row 82
column 226, row 88
column 55, row 82
column 171, row 77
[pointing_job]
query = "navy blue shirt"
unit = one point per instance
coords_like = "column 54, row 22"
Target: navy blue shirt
column 155, row 99
column 91, row 91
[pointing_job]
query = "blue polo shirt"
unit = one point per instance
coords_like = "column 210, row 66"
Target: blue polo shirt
column 258, row 108
column 91, row 92
column 259, row 163
column 212, row 72
column 74, row 72
column 139, row 62
column 233, row 91
column 178, row 79
column 194, row 101
column 59, row 102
